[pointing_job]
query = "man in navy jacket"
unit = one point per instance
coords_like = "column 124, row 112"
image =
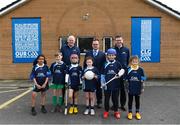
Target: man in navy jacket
column 122, row 56
column 99, row 59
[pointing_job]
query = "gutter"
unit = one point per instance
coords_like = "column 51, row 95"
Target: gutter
column 163, row 8
column 12, row 7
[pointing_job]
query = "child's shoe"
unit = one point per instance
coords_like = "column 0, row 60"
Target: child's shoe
column 105, row 114
column 54, row 109
column 33, row 111
column 92, row 112
column 138, row 116
column 117, row 115
column 75, row 110
column 86, row 112
column 129, row 116
column 71, row 110
column 43, row 109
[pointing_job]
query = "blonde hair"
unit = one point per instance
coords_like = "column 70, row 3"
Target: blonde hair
column 134, row 57
column 58, row 54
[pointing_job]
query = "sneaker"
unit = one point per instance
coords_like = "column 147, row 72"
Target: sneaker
column 138, row 116
column 71, row 110
column 129, row 116
column 75, row 110
column 43, row 110
column 54, row 109
column 86, row 112
column 117, row 115
column 92, row 112
column 33, row 112
column 122, row 108
column 105, row 114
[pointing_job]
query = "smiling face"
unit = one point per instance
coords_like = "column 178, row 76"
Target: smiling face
column 119, row 41
column 89, row 62
column 111, row 57
column 71, row 41
column 41, row 60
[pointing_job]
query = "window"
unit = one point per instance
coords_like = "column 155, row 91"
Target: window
column 85, row 44
column 62, row 41
column 107, row 43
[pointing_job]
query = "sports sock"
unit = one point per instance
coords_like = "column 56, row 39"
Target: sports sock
column 54, row 100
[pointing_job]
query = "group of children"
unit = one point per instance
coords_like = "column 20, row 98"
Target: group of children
column 74, row 78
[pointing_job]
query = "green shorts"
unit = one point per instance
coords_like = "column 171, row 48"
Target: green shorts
column 56, row 86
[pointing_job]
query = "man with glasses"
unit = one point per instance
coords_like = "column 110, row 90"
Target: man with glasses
column 99, row 59
column 123, row 57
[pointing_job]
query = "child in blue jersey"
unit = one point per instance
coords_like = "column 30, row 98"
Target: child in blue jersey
column 135, row 77
column 111, row 68
column 73, row 75
column 90, row 83
column 58, row 69
column 39, row 75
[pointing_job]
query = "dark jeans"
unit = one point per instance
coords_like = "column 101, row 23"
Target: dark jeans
column 99, row 93
column 130, row 102
column 114, row 97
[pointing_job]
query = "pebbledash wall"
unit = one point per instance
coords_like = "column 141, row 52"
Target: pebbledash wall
column 133, row 19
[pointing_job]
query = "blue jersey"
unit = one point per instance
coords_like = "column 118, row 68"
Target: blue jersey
column 74, row 75
column 90, row 85
column 67, row 51
column 135, row 78
column 40, row 73
column 58, row 72
column 109, row 71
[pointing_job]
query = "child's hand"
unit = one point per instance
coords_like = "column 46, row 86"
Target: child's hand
column 43, row 86
column 95, row 76
column 38, row 86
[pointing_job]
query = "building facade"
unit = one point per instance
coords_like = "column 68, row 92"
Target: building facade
column 86, row 19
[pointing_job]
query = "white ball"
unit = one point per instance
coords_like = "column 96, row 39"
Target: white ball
column 89, row 75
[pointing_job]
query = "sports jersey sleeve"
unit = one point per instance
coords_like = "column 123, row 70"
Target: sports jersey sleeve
column 48, row 73
column 32, row 74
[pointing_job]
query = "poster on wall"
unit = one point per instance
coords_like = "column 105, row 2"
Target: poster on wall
column 146, row 39
column 26, row 39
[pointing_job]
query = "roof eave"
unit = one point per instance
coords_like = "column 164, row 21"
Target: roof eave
column 14, row 6
column 163, row 8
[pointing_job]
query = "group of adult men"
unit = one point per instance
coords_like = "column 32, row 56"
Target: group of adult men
column 99, row 57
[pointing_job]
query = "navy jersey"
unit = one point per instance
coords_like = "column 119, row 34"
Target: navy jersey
column 109, row 71
column 40, row 73
column 74, row 72
column 135, row 78
column 58, row 72
column 67, row 51
column 90, row 85
column 122, row 56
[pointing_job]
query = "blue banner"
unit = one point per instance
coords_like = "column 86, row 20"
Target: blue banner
column 26, row 39
column 146, row 39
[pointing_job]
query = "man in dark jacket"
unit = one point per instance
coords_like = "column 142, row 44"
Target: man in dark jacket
column 123, row 57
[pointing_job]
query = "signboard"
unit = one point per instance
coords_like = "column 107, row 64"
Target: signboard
column 26, row 39
column 146, row 39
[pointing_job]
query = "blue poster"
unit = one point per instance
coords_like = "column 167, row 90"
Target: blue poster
column 146, row 39
column 26, row 39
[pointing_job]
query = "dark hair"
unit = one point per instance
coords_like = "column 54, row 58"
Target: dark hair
column 89, row 58
column 36, row 60
column 118, row 36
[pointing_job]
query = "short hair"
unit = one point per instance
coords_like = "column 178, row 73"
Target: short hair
column 95, row 39
column 118, row 36
column 134, row 57
column 57, row 54
column 89, row 58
